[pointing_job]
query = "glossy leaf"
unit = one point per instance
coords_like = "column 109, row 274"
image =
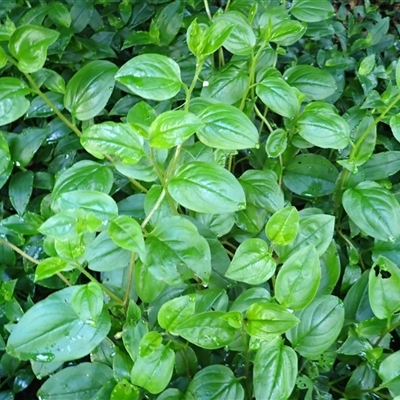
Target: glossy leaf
column 115, row 140
column 310, row 175
column 226, row 127
column 276, row 143
column 172, row 128
column 373, row 209
column 283, row 226
column 389, row 373
column 384, row 288
column 51, row 331
column 215, row 382
column 320, row 324
column 151, row 76
column 268, row 320
column 86, row 380
column 252, row 263
column 276, row 94
column 298, row 279
column 207, row 330
column 242, row 39
column 87, row 301
column 175, row 251
column 316, row 230
column 262, row 189
column 206, row 188
column 29, row 43
column 175, row 312
column 20, row 190
column 315, row 83
column 215, row 36
column 13, row 104
column 325, row 130
column 126, row 233
column 275, row 370
column 49, row 266
column 311, row 11
column 88, row 91
column 84, row 175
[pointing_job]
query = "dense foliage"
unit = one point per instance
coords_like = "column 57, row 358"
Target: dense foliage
column 199, row 200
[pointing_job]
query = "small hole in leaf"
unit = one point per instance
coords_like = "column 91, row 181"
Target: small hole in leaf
column 384, row 274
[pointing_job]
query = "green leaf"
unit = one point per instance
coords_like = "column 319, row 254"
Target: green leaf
column 141, row 116
column 154, row 371
column 87, row 301
column 330, row 269
column 389, row 372
column 88, row 91
column 123, row 390
column 20, row 190
column 268, row 320
column 60, row 14
column 49, row 267
column 215, row 382
column 226, row 127
column 298, row 279
column 86, row 380
column 13, row 104
column 312, row 11
column 168, row 22
column 395, row 125
column 316, row 230
column 227, row 86
column 195, row 38
column 84, row 175
column 27, row 224
column 374, row 210
column 283, row 226
column 215, row 36
column 176, row 311
column 365, row 144
column 206, row 188
column 249, row 297
column 104, row 255
column 26, row 144
column 262, row 189
column 176, row 251
column 99, row 204
column 276, row 94
column 398, row 74
column 320, row 325
column 242, row 39
column 275, row 370
column 127, row 233
column 207, row 330
column 40, row 109
column 172, row 128
column 151, row 76
column 63, row 225
column 310, row 175
column 51, row 331
column 323, row 129
column 384, row 288
column 276, row 143
column 6, row 164
column 315, row 83
column 287, row 32
column 28, row 44
column 252, row 263
column 147, row 286
column 115, row 140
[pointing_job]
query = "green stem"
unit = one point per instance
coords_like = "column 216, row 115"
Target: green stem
column 385, row 332
column 93, row 279
column 263, row 119
column 31, row 259
column 130, row 279
column 138, row 185
column 52, row 105
column 207, row 7
column 247, row 364
column 154, row 209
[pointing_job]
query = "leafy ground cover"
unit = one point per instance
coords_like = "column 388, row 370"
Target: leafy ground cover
column 199, row 200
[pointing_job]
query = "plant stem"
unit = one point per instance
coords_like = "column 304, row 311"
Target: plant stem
column 154, row 209
column 263, row 119
column 104, row 288
column 247, row 364
column 385, row 332
column 207, row 7
column 52, row 105
column 31, row 259
column 130, row 278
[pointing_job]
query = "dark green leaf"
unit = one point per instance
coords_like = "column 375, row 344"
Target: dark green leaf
column 311, row 11
column 20, row 190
